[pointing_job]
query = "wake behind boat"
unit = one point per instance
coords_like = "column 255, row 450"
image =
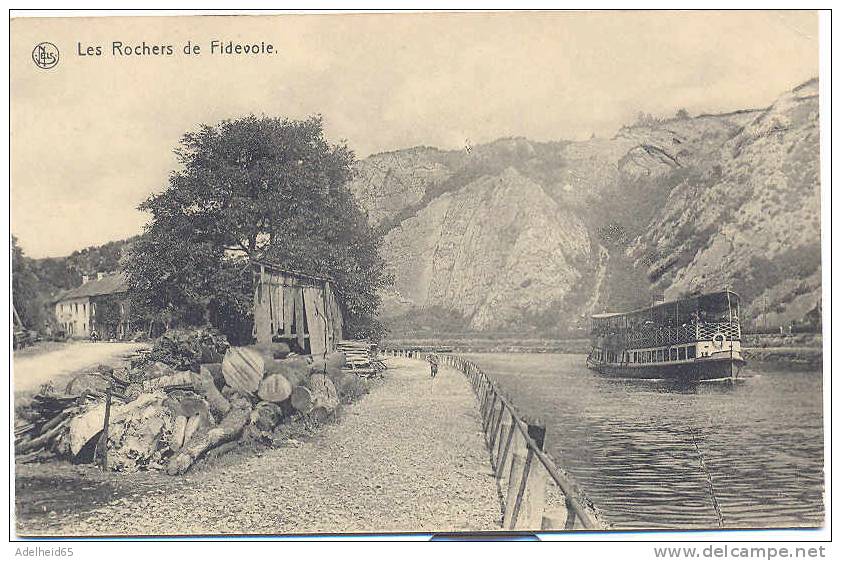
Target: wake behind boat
column 695, row 338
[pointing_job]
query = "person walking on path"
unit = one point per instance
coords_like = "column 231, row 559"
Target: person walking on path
column 432, row 359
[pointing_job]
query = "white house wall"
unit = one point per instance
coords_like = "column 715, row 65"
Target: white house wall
column 74, row 316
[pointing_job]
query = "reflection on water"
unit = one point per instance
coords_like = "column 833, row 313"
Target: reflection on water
column 661, row 454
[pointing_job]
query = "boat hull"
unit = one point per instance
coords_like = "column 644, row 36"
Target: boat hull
column 697, row 370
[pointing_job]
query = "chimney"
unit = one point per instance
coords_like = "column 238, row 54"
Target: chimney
column 85, row 279
column 99, row 276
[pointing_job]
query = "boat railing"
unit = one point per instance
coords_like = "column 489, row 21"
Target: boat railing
column 536, row 493
column 656, row 336
column 660, row 335
column 731, row 330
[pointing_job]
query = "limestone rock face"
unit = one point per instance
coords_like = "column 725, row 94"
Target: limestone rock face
column 516, row 233
column 497, row 248
column 754, row 222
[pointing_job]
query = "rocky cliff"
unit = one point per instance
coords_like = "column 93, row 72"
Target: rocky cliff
column 518, row 235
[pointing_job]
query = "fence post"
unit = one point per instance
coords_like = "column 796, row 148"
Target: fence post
column 102, row 445
column 496, row 425
column 556, row 519
column 525, row 502
column 490, row 413
column 515, row 476
column 504, row 444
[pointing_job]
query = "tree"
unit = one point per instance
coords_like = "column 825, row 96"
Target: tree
column 26, row 295
column 107, row 316
column 254, row 189
column 682, row 114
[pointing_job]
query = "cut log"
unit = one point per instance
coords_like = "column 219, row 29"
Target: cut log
column 41, row 441
column 178, row 433
column 328, row 397
column 275, row 388
column 192, row 426
column 203, row 383
column 295, row 371
column 320, row 392
column 273, row 351
column 87, row 425
column 215, row 372
column 178, row 379
column 229, row 429
column 302, row 399
column 156, row 370
column 325, row 366
column 243, row 368
column 187, row 405
column 267, row 416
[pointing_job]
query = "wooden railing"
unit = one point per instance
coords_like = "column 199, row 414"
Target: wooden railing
column 536, row 494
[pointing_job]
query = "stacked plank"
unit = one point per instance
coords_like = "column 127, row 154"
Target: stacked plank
column 42, row 424
column 361, row 358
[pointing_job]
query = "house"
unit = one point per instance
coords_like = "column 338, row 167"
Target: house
column 298, row 309
column 76, row 309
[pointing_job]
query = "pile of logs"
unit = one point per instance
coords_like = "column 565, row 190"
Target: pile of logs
column 163, row 419
column 362, row 358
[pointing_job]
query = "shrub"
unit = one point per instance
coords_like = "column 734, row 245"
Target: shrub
column 352, row 389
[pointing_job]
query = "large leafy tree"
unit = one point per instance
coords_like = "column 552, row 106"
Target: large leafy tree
column 255, row 188
column 26, row 295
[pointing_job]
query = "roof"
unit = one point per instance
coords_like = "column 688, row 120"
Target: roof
column 607, row 315
column 647, row 309
column 109, row 284
column 275, row 268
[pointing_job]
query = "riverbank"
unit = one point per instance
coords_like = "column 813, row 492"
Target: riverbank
column 804, row 349
column 409, row 457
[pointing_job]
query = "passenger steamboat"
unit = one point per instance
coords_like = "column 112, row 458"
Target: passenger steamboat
column 695, row 338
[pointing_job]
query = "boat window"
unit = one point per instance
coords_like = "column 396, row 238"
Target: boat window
column 673, row 353
column 690, row 351
column 681, row 353
column 659, row 355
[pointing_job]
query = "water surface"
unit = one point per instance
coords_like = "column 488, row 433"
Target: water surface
column 655, row 454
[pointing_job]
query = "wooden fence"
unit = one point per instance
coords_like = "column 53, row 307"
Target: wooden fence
column 536, row 494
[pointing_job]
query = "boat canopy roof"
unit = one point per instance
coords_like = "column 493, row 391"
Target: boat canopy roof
column 725, row 302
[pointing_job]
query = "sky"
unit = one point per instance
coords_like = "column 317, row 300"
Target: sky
column 92, row 137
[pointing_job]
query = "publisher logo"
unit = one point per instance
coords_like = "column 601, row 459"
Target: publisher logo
column 45, row 55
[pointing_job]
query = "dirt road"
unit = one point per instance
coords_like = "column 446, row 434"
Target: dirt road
column 32, row 370
column 409, row 457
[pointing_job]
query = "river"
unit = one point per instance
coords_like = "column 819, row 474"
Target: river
column 653, row 454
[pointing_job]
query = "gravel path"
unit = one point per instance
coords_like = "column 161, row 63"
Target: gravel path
column 409, row 457
column 56, row 365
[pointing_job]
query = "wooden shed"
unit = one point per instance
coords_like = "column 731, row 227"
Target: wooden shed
column 298, row 309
